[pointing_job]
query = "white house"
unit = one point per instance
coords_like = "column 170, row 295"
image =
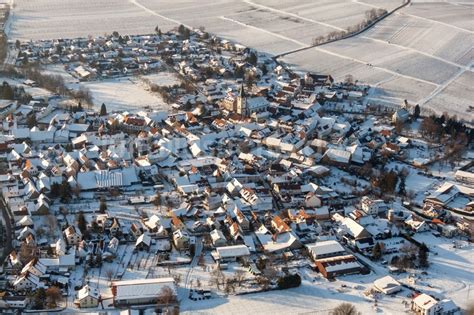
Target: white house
column 326, row 249
column 424, row 304
column 387, row 285
column 73, row 235
column 373, row 207
column 87, row 297
column 230, row 253
column 218, row 238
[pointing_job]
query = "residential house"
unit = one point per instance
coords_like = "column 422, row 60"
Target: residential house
column 87, row 297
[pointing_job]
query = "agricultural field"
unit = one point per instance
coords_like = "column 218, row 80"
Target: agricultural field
column 422, row 53
column 460, row 91
column 49, row 19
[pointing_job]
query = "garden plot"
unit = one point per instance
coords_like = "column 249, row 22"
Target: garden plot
column 456, row 98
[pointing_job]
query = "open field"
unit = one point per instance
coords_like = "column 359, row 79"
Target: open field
column 460, row 90
column 48, row 19
column 124, row 94
column 420, row 53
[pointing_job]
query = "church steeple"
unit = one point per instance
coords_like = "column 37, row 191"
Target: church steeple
column 242, row 102
column 242, row 91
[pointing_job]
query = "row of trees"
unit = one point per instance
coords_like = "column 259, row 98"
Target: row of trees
column 370, row 17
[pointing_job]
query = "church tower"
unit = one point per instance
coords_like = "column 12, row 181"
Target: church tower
column 242, row 103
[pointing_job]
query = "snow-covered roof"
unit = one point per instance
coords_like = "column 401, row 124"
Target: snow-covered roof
column 424, row 301
column 141, row 288
column 337, row 155
column 232, row 251
column 387, row 284
column 87, row 291
column 325, row 247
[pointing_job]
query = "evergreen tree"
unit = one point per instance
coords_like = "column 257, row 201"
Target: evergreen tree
column 377, row 251
column 102, row 205
column 79, row 107
column 401, row 187
column 187, row 33
column 38, row 298
column 31, row 120
column 239, row 72
column 103, row 110
column 252, row 58
column 416, row 112
column 7, row 91
column 423, row 255
column 65, row 191
column 81, row 222
column 55, row 190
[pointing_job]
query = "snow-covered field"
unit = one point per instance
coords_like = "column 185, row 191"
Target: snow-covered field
column 124, row 94
column 448, row 276
column 422, row 53
column 48, row 19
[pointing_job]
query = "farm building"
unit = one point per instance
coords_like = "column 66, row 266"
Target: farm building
column 140, row 291
column 337, row 266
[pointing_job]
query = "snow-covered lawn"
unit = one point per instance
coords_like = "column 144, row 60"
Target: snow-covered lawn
column 124, row 94
column 162, row 78
column 450, row 272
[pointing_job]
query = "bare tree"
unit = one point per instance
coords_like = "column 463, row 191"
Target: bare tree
column 109, row 273
column 263, row 282
column 53, row 295
column 349, row 79
column 76, row 190
column 345, row 309
column 229, row 286
column 217, row 278
column 177, row 278
column 239, row 276
column 166, row 297
column 27, row 253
